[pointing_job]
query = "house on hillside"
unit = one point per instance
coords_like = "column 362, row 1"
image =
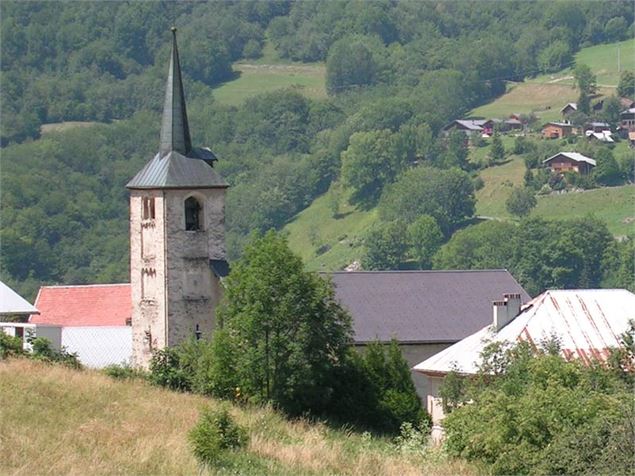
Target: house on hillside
column 90, row 320
column 627, row 119
column 425, row 311
column 604, row 136
column 587, row 323
column 569, row 109
column 570, row 162
column 597, row 126
column 626, row 103
column 467, row 126
column 557, row 130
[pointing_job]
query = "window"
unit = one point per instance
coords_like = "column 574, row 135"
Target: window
column 148, row 208
column 193, row 214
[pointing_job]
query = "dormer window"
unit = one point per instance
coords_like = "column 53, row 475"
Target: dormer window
column 148, row 208
column 193, row 214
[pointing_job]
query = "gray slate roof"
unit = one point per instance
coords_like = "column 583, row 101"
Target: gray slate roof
column 175, row 170
column 421, row 306
column 178, row 164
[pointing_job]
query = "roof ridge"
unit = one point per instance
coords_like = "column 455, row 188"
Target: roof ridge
column 413, row 271
column 59, row 286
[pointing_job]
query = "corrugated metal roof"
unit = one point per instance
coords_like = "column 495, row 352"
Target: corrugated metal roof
column 12, row 303
column 421, row 306
column 573, row 156
column 587, row 321
column 174, row 170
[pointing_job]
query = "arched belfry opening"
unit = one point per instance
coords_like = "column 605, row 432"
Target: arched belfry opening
column 193, row 214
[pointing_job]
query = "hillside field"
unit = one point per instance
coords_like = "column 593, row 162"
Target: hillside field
column 546, row 94
column 308, row 79
column 61, row 421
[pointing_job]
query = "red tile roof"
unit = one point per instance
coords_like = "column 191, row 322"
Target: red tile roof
column 89, row 305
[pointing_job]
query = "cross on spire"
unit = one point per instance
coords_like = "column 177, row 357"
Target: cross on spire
column 175, row 130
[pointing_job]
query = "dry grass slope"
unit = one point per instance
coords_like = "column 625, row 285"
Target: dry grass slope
column 59, row 421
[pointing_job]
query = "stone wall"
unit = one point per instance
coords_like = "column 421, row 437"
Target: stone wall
column 174, row 292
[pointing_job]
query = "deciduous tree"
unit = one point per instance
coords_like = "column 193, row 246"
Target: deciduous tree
column 287, row 330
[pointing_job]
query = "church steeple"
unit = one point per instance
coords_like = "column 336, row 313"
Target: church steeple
column 175, row 130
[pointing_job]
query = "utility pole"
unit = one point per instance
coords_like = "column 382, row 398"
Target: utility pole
column 619, row 65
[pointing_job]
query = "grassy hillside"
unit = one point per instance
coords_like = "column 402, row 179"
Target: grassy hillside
column 254, row 79
column 316, row 228
column 546, row 94
column 614, row 205
column 603, row 60
column 339, row 236
column 60, row 421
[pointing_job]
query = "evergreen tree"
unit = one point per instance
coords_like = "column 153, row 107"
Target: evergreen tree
column 497, row 152
column 626, row 86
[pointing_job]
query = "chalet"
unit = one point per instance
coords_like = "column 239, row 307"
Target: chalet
column 603, row 136
column 588, row 323
column 467, row 126
column 627, row 119
column 626, row 103
column 569, row 162
column 597, row 126
column 557, row 130
column 568, row 109
column 513, row 123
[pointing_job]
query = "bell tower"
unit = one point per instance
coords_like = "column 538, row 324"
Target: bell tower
column 177, row 234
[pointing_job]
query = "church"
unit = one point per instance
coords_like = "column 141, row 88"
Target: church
column 178, row 262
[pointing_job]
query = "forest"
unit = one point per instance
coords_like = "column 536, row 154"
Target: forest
column 396, row 73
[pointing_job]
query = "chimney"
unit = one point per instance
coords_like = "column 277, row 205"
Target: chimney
column 506, row 310
column 500, row 314
column 513, row 304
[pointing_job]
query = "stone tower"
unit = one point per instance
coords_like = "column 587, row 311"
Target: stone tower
column 177, row 234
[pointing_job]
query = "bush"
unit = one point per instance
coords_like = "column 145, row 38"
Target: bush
column 215, row 436
column 167, row 369
column 215, row 374
column 374, row 390
column 533, row 412
column 124, row 372
column 390, row 379
column 10, row 346
column 41, row 350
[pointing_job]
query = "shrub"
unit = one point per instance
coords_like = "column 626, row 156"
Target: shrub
column 374, row 390
column 41, row 350
column 215, row 436
column 124, row 372
column 390, row 379
column 533, row 412
column 167, row 369
column 216, row 371
column 10, row 346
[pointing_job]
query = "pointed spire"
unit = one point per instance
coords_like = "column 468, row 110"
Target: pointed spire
column 175, row 131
